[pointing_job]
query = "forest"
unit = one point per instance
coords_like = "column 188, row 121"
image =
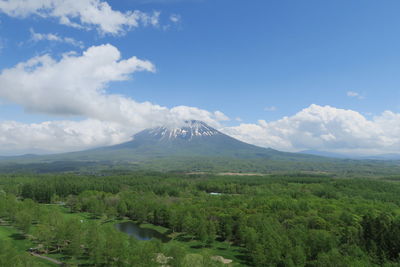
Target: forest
column 294, row 219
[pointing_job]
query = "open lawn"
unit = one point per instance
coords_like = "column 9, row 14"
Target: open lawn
column 22, row 244
column 224, row 249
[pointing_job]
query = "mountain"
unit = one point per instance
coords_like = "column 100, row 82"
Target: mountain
column 383, row 157
column 20, row 157
column 194, row 146
column 192, row 139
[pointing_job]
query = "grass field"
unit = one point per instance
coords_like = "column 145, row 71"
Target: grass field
column 9, row 233
column 223, row 249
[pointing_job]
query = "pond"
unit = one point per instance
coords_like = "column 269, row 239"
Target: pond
column 133, row 229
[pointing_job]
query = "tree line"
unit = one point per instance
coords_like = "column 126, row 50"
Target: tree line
column 279, row 220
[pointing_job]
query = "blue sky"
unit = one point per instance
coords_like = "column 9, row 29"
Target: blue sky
column 253, row 60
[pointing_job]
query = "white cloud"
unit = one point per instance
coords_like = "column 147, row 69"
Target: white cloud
column 325, row 128
column 64, row 136
column 76, row 85
column 316, row 127
column 175, row 18
column 354, row 94
column 84, row 14
column 53, row 37
column 58, row 136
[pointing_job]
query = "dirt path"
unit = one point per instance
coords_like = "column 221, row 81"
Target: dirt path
column 47, row 258
column 221, row 259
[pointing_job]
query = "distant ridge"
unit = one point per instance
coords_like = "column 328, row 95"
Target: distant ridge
column 327, row 154
column 392, row 156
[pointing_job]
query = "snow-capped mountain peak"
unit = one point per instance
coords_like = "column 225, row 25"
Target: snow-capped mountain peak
column 187, row 131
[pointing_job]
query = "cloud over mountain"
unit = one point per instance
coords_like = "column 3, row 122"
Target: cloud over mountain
column 316, row 127
column 76, row 85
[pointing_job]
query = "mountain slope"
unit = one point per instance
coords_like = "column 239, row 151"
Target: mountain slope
column 194, row 138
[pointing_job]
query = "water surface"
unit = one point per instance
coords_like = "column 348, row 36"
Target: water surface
column 133, row 229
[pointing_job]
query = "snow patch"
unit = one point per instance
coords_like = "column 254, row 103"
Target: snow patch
column 190, row 129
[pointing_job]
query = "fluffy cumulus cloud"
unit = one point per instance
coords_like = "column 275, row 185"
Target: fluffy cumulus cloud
column 84, row 14
column 325, row 128
column 73, row 85
column 76, row 85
